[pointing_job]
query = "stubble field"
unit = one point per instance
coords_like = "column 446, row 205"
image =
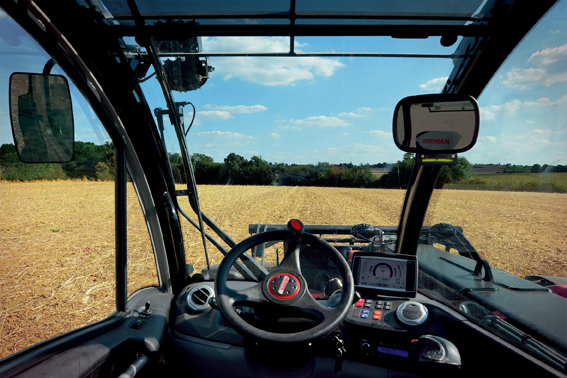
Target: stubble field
column 57, row 238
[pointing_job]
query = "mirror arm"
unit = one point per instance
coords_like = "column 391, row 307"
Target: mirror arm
column 48, row 66
column 418, row 195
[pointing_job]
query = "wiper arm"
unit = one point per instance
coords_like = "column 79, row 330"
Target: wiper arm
column 241, row 268
column 192, row 193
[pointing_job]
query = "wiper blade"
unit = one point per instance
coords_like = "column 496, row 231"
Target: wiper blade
column 551, row 355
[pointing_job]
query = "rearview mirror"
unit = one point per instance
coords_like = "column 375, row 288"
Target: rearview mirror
column 437, row 123
column 42, row 118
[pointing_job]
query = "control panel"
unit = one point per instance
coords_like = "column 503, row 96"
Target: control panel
column 385, row 329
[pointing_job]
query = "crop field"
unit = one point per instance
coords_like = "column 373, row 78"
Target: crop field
column 57, row 255
column 554, row 182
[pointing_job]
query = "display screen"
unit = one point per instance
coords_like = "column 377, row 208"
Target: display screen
column 394, row 352
column 385, row 273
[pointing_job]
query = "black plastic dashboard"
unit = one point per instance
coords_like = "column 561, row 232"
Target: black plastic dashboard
column 381, row 343
column 377, row 343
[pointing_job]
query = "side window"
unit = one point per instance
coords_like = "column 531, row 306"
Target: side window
column 57, row 222
column 512, row 199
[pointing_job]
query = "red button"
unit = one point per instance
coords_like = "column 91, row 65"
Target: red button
column 377, row 315
column 360, row 302
column 296, row 224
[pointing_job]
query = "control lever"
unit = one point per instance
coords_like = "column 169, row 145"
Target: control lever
column 340, row 352
column 435, row 356
column 147, row 312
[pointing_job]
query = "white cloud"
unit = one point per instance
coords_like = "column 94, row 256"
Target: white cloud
column 346, row 134
column 379, row 133
column 547, row 132
column 213, row 115
column 350, row 114
column 238, row 109
column 434, row 85
column 274, row 136
column 270, row 71
column 321, row 121
column 222, row 135
column 524, row 79
column 549, row 56
column 488, row 138
column 550, row 67
column 489, row 113
column 362, row 109
column 289, row 128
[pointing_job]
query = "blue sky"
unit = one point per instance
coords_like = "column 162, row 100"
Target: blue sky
column 307, row 110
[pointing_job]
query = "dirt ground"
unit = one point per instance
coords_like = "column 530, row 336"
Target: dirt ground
column 57, row 238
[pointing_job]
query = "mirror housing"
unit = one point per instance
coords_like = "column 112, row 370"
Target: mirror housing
column 42, row 118
column 436, row 123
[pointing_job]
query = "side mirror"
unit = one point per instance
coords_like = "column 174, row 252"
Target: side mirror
column 42, row 118
column 436, row 124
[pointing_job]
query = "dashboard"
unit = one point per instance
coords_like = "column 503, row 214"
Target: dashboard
column 379, row 333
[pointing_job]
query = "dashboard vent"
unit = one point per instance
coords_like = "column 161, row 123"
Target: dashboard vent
column 198, row 298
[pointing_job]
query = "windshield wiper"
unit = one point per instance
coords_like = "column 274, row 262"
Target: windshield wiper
column 551, row 355
column 188, row 166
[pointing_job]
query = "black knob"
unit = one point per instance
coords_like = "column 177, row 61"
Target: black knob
column 148, row 303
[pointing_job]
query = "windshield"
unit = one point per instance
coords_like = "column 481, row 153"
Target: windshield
column 307, row 138
column 273, row 136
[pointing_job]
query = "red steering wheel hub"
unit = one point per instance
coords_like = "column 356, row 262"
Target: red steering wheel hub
column 284, row 286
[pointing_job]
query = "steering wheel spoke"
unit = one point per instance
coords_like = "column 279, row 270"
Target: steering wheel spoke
column 290, row 261
column 307, row 304
column 251, row 295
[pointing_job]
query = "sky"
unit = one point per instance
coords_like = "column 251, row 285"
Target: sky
column 312, row 109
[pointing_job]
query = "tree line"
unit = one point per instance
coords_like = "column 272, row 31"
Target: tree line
column 96, row 162
column 90, row 162
column 237, row 170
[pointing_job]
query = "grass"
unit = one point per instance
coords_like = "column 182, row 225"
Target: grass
column 517, row 182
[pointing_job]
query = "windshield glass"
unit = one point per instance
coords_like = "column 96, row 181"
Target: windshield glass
column 307, row 138
column 274, row 137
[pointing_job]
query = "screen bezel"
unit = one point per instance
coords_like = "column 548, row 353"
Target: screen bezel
column 411, row 274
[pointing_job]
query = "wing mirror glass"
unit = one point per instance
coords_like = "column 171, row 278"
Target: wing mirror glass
column 438, row 123
column 42, row 118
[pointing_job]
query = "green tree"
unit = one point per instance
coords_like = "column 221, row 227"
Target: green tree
column 234, row 168
column 258, row 171
column 461, row 171
column 400, row 173
column 176, row 163
column 8, row 154
column 103, row 172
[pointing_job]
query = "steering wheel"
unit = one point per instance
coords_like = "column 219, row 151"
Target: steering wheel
column 284, row 287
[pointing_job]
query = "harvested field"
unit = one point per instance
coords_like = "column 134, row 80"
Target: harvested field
column 57, row 269
column 520, row 233
column 57, row 262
